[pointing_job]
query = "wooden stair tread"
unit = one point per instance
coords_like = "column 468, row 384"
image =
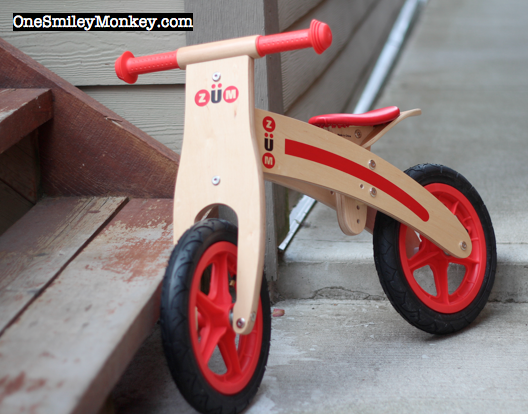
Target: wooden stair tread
column 22, row 111
column 36, row 248
column 67, row 350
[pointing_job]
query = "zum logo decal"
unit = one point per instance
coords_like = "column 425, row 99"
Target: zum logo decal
column 269, row 125
column 229, row 95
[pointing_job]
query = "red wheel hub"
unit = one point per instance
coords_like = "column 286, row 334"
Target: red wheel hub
column 210, row 304
column 430, row 255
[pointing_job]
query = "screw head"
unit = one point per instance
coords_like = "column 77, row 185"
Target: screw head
column 217, row 76
column 463, row 245
column 373, row 192
column 372, row 164
column 253, row 317
column 241, row 322
column 357, row 133
column 216, row 180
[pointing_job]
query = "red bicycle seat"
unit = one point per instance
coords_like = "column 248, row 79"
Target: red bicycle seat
column 375, row 117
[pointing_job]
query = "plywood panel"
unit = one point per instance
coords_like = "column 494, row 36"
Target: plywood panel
column 300, row 68
column 157, row 110
column 231, row 18
column 68, row 349
column 35, row 249
column 331, row 92
column 87, row 58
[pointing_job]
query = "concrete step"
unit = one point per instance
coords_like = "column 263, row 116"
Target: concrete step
column 322, row 262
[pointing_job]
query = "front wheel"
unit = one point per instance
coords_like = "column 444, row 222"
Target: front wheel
column 215, row 369
column 432, row 290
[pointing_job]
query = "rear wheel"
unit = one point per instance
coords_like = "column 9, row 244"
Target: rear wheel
column 432, row 290
column 215, row 369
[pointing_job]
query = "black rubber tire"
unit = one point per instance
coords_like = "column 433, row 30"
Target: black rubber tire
column 175, row 322
column 389, row 267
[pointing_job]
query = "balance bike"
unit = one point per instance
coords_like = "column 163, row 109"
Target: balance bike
column 215, row 313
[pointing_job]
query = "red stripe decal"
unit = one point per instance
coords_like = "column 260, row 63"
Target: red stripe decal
column 310, row 153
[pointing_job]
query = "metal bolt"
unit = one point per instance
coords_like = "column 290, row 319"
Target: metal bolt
column 463, row 245
column 216, row 180
column 372, row 164
column 373, row 192
column 217, row 76
column 253, row 316
column 357, row 133
column 241, row 322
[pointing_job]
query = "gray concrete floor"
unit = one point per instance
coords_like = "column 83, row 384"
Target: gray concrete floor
column 334, row 352
column 356, row 356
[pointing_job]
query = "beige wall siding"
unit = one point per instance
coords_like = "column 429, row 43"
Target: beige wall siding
column 88, row 58
column 300, row 68
column 328, row 83
column 335, row 88
column 291, row 10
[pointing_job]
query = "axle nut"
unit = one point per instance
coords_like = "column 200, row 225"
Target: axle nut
column 241, row 322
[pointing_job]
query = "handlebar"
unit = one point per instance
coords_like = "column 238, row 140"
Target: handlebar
column 318, row 36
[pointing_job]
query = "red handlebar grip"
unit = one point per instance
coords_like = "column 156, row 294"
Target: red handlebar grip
column 128, row 67
column 318, row 36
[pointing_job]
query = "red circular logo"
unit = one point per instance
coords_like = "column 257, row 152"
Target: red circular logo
column 202, row 97
column 230, row 94
column 268, row 123
column 268, row 160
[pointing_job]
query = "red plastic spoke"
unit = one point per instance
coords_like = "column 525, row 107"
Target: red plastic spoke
column 439, row 268
column 210, row 336
column 200, row 319
column 207, row 310
column 220, row 282
column 424, row 256
column 454, row 207
column 230, row 354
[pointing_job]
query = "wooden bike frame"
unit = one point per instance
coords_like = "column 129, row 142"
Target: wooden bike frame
column 230, row 148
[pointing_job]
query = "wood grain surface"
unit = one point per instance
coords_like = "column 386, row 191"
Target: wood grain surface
column 69, row 348
column 319, row 157
column 36, row 248
column 222, row 138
